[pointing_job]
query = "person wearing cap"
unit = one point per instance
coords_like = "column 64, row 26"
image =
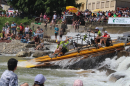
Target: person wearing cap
column 78, row 83
column 104, row 38
column 9, row 78
column 99, row 34
column 39, row 80
column 62, row 47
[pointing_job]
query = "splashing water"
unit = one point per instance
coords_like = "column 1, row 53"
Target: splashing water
column 66, row 62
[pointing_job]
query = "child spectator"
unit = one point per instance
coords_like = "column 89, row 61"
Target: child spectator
column 39, row 80
column 56, row 31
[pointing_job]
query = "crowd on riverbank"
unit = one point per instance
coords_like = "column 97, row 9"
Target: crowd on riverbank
column 19, row 32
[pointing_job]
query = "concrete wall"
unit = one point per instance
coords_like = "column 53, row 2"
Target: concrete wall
column 5, row 7
column 49, row 31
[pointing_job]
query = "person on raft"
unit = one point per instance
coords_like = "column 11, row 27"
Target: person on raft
column 99, row 34
column 104, row 38
column 62, row 47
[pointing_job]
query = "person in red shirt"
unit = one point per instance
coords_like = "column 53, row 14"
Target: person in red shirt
column 21, row 29
column 109, row 14
column 119, row 15
column 104, row 38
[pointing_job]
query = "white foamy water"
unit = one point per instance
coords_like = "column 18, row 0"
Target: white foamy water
column 95, row 78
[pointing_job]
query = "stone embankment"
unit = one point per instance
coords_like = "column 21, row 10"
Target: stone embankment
column 13, row 47
column 23, row 49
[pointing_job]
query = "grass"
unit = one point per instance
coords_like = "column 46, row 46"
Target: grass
column 17, row 20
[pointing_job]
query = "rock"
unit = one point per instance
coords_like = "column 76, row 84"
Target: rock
column 106, row 68
column 30, row 45
column 45, row 36
column 23, row 54
column 115, row 77
column 40, row 53
column 122, row 53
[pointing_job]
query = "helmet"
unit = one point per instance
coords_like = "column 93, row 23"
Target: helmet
column 57, row 40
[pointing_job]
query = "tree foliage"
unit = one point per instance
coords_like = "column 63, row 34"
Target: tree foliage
column 38, row 6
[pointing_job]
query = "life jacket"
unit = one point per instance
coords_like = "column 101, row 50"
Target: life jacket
column 105, row 35
column 99, row 33
column 61, row 43
column 66, row 45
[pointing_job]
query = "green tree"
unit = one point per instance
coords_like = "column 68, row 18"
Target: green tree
column 38, row 6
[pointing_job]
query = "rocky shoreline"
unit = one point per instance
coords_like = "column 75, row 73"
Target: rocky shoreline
column 23, row 49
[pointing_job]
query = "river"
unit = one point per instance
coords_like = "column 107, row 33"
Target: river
column 66, row 77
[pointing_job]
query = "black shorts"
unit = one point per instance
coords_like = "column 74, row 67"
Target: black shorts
column 54, row 20
column 98, row 40
column 56, row 34
column 64, row 50
column 60, row 36
column 21, row 32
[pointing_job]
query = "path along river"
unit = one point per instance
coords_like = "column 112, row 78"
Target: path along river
column 66, row 77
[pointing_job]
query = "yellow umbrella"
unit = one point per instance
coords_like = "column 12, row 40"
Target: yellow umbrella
column 71, row 9
column 97, row 10
column 67, row 7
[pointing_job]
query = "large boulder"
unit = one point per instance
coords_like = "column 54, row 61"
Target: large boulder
column 23, row 54
column 41, row 53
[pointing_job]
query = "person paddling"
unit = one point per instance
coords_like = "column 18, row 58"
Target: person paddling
column 62, row 47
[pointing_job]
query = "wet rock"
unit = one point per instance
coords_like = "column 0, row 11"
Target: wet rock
column 45, row 36
column 21, row 54
column 123, row 53
column 107, row 69
column 115, row 77
column 30, row 45
column 128, row 49
column 41, row 53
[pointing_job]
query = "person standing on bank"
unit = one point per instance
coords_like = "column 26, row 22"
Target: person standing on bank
column 56, row 31
column 13, row 28
column 63, row 26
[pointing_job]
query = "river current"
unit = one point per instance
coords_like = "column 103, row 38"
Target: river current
column 66, row 77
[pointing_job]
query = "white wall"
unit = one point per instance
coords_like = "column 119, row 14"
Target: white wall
column 5, row 7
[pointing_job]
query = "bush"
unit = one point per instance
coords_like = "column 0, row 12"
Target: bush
column 17, row 20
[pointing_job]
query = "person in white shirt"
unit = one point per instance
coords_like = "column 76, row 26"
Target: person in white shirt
column 27, row 32
column 54, row 18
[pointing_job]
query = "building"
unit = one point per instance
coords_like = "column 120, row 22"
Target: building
column 83, row 4
column 4, row 5
column 106, row 5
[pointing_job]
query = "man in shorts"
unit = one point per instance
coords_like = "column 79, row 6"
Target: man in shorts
column 56, row 31
column 13, row 28
column 62, row 47
column 41, row 18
